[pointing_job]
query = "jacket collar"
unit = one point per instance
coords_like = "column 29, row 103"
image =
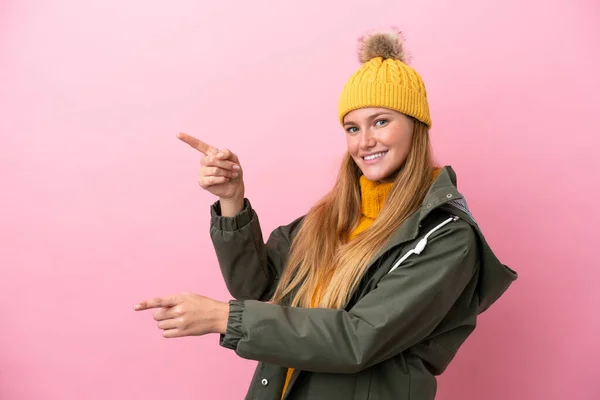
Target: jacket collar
column 443, row 190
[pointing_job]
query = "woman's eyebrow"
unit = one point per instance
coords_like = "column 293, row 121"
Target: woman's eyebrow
column 370, row 118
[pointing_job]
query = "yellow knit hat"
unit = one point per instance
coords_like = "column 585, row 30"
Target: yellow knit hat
column 385, row 80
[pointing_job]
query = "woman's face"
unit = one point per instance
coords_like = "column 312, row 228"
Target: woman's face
column 379, row 141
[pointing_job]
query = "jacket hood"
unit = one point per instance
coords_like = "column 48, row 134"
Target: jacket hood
column 494, row 277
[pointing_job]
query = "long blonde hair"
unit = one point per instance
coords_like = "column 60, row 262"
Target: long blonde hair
column 321, row 254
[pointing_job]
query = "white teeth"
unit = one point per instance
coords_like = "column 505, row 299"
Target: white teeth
column 374, row 156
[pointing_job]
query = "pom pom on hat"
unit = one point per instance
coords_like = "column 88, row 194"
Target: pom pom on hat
column 386, row 44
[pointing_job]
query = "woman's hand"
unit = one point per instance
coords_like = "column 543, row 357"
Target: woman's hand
column 220, row 171
column 187, row 314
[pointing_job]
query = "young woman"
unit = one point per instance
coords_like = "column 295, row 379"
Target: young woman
column 372, row 292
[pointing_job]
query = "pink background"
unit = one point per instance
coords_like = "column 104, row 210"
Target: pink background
column 100, row 208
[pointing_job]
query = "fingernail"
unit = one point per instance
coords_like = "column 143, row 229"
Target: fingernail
column 220, row 155
column 236, row 167
column 235, row 174
column 137, row 307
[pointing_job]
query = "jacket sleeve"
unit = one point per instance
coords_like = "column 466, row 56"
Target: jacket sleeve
column 401, row 311
column 250, row 267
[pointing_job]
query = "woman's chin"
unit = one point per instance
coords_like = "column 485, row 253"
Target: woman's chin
column 379, row 174
column 375, row 176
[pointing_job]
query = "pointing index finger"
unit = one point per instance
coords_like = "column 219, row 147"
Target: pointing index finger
column 156, row 303
column 197, row 144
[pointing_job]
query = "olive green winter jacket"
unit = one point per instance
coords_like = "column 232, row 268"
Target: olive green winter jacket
column 415, row 306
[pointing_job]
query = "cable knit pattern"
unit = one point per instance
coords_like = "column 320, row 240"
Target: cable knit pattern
column 373, row 195
column 386, row 83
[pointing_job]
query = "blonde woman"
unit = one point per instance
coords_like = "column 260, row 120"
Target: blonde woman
column 372, row 292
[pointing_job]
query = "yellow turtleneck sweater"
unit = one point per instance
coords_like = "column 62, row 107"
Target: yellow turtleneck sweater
column 373, row 195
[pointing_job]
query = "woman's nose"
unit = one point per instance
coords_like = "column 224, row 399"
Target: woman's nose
column 367, row 140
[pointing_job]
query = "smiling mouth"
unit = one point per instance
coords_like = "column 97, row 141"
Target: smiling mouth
column 375, row 156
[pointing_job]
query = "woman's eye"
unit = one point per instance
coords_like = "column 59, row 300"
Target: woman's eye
column 352, row 129
column 381, row 122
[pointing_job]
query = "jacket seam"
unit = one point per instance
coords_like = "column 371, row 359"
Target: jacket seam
column 289, row 248
column 409, row 379
column 263, row 268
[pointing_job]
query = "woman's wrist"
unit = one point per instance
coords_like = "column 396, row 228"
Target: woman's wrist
column 222, row 318
column 232, row 206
